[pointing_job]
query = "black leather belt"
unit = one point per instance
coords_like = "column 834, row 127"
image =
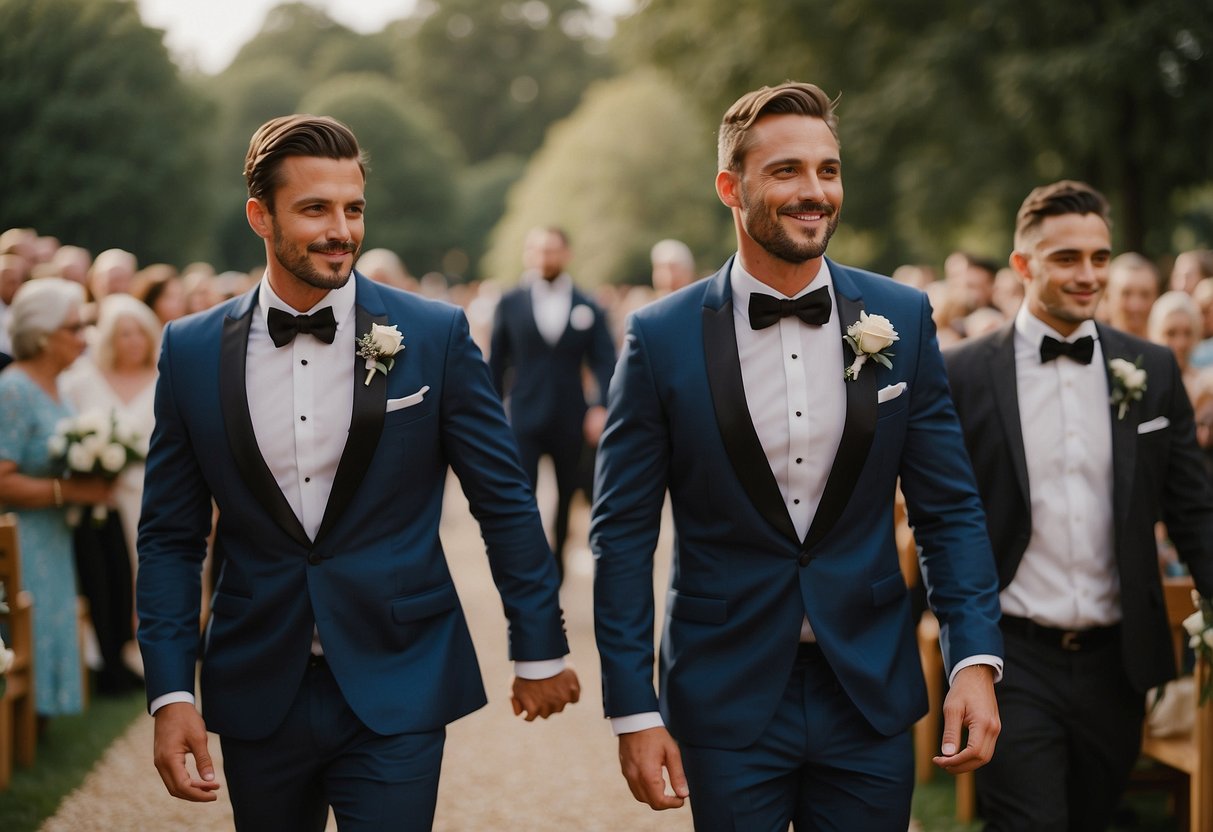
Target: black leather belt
column 1075, row 641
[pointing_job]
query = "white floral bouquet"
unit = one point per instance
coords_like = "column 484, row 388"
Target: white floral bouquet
column 95, row 443
column 1199, row 627
column 6, row 655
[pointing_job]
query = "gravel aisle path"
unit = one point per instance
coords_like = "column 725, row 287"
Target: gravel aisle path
column 499, row 773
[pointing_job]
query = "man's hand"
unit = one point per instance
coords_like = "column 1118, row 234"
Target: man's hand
column 642, row 756
column 181, row 731
column 970, row 705
column 544, row 697
column 592, row 425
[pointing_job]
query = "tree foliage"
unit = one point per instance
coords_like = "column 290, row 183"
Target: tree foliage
column 952, row 110
column 635, row 163
column 100, row 145
column 499, row 72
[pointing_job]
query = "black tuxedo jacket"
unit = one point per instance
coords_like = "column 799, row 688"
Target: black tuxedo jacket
column 1158, row 475
column 541, row 382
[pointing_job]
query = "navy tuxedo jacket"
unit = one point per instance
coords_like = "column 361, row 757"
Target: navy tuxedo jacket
column 1157, row 475
column 375, row 580
column 741, row 580
column 544, row 392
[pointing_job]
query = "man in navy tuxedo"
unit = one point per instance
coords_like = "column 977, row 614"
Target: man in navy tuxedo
column 545, row 334
column 1082, row 438
column 321, row 412
column 779, row 402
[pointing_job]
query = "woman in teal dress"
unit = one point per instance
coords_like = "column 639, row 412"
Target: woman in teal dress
column 45, row 326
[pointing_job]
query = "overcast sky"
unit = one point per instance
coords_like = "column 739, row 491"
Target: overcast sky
column 208, row 33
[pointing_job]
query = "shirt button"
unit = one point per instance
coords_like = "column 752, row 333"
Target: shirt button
column 313, row 558
column 797, row 412
column 793, row 356
column 304, row 362
column 796, row 502
column 302, row 418
column 799, row 460
column 307, row 479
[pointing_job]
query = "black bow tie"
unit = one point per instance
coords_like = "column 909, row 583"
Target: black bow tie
column 284, row 326
column 813, row 308
column 1080, row 350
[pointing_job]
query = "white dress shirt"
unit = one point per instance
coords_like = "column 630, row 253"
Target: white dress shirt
column 551, row 302
column 1067, row 578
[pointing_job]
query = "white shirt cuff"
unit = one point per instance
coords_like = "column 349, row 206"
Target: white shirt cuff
column 632, row 723
column 982, row 658
column 545, row 669
column 168, row 699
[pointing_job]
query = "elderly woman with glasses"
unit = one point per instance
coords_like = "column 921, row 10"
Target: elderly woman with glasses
column 45, row 326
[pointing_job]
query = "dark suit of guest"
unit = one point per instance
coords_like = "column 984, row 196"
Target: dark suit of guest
column 1072, row 695
column 5, row 360
column 543, row 386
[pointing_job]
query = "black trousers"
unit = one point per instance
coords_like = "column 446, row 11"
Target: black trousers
column 104, row 568
column 1071, row 732
column 565, row 450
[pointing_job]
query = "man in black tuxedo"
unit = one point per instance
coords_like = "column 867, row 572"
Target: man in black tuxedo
column 544, row 333
column 1082, row 438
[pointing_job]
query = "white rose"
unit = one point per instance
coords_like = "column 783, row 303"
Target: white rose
column 113, row 457
column 1121, row 368
column 1136, row 379
column 581, row 318
column 1194, row 623
column 81, row 458
column 6, row 658
column 56, row 446
column 387, row 339
column 872, row 333
column 94, row 421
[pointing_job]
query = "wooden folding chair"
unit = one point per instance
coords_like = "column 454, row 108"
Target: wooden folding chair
column 18, row 720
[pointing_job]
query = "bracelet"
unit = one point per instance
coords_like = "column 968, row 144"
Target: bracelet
column 57, row 491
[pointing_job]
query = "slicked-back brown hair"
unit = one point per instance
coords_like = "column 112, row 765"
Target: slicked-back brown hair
column 1065, row 197
column 295, row 135
column 790, row 97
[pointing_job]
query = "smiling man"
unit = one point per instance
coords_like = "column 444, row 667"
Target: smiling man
column 321, row 412
column 779, row 401
column 1082, row 438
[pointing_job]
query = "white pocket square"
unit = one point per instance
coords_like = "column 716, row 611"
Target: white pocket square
column 407, row 401
column 1153, row 425
column 887, row 394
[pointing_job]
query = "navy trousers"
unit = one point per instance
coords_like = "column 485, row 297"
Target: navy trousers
column 819, row 765
column 322, row 756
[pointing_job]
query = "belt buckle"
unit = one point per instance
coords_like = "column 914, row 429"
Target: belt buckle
column 1070, row 641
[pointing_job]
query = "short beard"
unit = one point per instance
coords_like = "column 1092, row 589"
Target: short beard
column 775, row 239
column 298, row 264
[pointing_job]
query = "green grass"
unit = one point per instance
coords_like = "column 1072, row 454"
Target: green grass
column 66, row 753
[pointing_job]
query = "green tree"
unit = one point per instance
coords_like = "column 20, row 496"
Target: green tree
column 410, row 189
column 102, row 143
column 499, row 72
column 635, row 163
column 952, row 110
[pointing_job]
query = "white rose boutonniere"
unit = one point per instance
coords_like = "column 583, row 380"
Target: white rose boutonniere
column 869, row 337
column 378, row 347
column 1128, row 383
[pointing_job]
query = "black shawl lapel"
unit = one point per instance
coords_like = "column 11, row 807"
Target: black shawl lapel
column 1124, row 431
column 860, row 426
column 366, row 420
column 1006, row 396
column 741, row 441
column 233, row 402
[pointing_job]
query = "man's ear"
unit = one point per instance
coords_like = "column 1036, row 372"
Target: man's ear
column 728, row 183
column 1019, row 262
column 259, row 218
